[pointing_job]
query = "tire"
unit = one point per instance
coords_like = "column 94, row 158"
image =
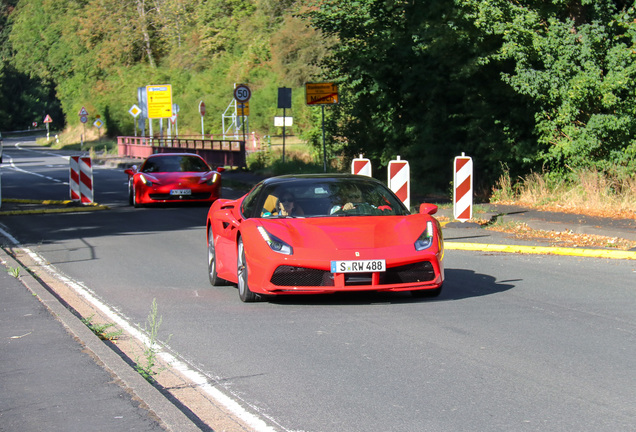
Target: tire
column 427, row 293
column 245, row 294
column 131, row 200
column 134, row 198
column 215, row 280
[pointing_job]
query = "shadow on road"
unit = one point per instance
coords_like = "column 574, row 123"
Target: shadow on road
column 460, row 284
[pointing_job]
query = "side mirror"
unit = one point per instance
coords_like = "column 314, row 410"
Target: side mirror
column 220, row 169
column 131, row 171
column 426, row 208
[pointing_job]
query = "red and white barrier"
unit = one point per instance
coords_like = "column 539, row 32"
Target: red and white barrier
column 81, row 179
column 463, row 188
column 399, row 180
column 361, row 166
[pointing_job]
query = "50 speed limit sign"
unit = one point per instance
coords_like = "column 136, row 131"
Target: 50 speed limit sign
column 242, row 93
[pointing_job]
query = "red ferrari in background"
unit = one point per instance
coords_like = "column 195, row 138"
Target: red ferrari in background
column 171, row 178
column 323, row 233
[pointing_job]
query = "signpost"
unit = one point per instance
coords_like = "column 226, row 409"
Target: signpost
column 322, row 94
column 202, row 112
column 83, row 115
column 98, row 124
column 243, row 108
column 284, row 102
column 135, row 111
column 159, row 100
column 242, row 95
column 47, row 120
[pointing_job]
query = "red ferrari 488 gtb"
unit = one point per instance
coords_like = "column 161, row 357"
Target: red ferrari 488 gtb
column 323, row 233
column 172, row 178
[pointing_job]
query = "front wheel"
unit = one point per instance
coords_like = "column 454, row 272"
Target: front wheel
column 131, row 192
column 245, row 294
column 215, row 280
column 135, row 203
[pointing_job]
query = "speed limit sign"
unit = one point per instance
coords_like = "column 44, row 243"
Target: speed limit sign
column 242, row 93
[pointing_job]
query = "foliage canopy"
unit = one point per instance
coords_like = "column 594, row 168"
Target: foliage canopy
column 520, row 85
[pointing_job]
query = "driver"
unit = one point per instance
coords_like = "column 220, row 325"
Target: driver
column 354, row 198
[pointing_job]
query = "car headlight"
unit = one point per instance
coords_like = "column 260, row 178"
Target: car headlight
column 425, row 240
column 212, row 179
column 275, row 244
column 145, row 180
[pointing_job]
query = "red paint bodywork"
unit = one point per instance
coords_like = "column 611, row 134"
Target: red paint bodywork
column 316, row 241
column 157, row 187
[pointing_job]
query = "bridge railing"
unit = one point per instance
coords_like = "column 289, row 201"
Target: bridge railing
column 215, row 152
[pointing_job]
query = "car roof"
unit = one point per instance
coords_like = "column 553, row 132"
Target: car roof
column 173, row 154
column 320, row 176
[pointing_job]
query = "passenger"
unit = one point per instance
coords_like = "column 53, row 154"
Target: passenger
column 287, row 206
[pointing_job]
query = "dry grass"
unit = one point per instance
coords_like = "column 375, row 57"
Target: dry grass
column 591, row 193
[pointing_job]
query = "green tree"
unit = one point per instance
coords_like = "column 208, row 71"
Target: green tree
column 23, row 100
column 413, row 85
column 575, row 61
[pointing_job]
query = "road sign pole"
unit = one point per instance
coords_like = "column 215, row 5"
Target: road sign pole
column 242, row 95
column 283, row 135
column 324, row 148
column 202, row 112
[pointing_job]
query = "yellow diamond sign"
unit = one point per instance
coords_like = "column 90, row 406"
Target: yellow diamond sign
column 134, row 111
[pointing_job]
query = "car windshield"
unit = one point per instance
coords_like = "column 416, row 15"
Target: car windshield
column 175, row 163
column 325, row 197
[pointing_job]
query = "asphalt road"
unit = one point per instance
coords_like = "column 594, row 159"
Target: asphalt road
column 515, row 342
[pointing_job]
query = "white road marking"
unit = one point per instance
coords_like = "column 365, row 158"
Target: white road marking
column 196, row 376
column 15, row 168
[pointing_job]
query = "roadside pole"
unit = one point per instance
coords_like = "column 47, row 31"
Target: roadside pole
column 322, row 94
column 47, row 120
column 202, row 112
column 242, row 95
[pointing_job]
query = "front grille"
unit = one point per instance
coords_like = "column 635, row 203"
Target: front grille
column 300, row 276
column 168, row 197
column 416, row 272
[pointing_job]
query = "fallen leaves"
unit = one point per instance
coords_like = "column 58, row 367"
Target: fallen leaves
column 564, row 238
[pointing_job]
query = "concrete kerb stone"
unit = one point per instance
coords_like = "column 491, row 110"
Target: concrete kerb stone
column 171, row 418
column 12, row 207
column 526, row 249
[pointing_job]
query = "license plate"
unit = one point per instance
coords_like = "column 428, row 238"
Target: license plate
column 358, row 266
column 181, row 192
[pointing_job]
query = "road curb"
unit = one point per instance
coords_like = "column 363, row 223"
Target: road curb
column 67, row 206
column 541, row 250
column 171, row 418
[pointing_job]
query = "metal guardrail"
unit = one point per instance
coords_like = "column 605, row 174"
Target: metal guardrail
column 215, row 152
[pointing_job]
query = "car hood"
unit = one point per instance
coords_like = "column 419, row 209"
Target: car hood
column 342, row 233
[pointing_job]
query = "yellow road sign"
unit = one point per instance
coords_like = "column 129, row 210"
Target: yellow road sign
column 159, row 101
column 243, row 108
column 321, row 93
